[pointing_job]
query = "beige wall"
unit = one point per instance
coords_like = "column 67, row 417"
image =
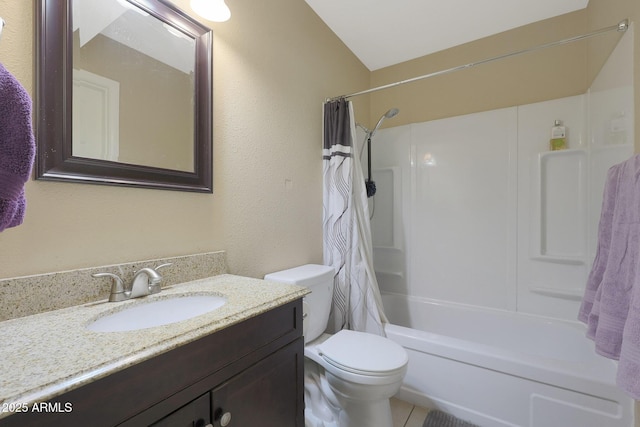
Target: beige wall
column 537, row 76
column 547, row 74
column 274, row 64
column 272, row 70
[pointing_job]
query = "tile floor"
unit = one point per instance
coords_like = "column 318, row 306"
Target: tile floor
column 406, row 414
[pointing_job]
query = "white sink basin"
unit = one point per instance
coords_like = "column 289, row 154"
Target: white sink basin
column 157, row 312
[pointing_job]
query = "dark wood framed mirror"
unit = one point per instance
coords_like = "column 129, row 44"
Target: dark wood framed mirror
column 123, row 94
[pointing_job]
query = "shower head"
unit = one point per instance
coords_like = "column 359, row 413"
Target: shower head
column 389, row 114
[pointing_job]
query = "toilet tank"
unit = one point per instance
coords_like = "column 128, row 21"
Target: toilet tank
column 316, row 305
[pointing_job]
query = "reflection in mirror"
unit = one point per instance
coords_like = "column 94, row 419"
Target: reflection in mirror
column 138, row 73
column 132, row 86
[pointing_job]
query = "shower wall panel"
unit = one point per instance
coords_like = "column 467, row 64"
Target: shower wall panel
column 454, row 237
column 463, row 212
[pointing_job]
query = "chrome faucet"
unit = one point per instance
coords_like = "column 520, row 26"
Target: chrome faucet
column 145, row 281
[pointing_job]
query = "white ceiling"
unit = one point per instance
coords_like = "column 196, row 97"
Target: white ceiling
column 382, row 33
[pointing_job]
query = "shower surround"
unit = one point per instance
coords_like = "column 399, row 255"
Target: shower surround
column 474, row 214
column 477, row 210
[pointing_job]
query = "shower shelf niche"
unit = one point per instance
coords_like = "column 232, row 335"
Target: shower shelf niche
column 560, row 226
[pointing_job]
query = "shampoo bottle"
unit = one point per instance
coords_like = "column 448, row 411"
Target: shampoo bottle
column 558, row 136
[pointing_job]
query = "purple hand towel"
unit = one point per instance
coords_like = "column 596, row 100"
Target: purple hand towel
column 17, row 149
column 611, row 303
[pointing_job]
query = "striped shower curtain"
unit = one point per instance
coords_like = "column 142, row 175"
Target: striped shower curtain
column 346, row 229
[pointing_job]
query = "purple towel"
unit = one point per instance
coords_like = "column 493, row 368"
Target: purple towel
column 17, row 149
column 611, row 303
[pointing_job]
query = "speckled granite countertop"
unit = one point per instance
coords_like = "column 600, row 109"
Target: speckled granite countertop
column 47, row 354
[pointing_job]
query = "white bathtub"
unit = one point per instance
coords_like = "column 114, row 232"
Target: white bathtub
column 498, row 368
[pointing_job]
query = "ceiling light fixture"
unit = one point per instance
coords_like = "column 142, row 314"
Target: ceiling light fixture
column 213, row 10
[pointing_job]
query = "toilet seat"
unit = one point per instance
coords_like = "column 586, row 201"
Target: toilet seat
column 364, row 354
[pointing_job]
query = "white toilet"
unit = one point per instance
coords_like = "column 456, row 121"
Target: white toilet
column 349, row 376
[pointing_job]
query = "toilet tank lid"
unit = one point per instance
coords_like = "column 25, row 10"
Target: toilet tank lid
column 304, row 275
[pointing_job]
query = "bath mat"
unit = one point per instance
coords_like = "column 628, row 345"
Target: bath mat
column 436, row 418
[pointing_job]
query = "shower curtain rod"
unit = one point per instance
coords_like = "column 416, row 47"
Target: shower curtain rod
column 622, row 26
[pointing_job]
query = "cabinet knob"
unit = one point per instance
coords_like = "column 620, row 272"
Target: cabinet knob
column 226, row 419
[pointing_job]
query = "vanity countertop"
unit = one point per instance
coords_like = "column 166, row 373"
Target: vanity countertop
column 47, row 354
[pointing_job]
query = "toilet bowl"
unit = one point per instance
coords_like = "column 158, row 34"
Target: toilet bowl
column 350, row 375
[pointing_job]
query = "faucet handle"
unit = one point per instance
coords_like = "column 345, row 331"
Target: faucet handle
column 117, row 287
column 163, row 265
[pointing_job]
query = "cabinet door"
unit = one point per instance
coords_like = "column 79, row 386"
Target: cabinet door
column 193, row 414
column 268, row 394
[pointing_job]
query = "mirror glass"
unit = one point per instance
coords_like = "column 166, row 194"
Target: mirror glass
column 134, row 80
column 132, row 86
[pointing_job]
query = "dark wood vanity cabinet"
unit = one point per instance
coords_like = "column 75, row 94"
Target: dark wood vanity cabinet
column 258, row 396
column 248, row 374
